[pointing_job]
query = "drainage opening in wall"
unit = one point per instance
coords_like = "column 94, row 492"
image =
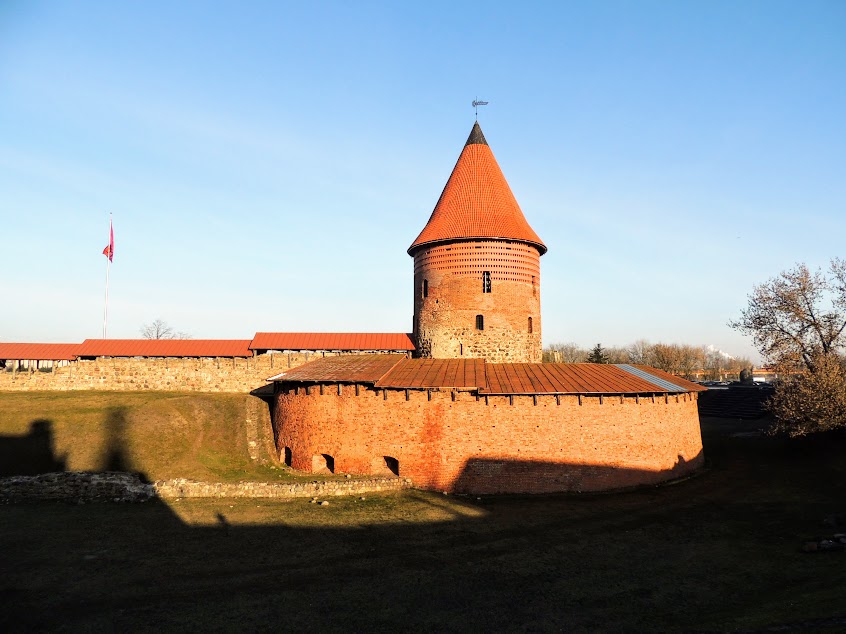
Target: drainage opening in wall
column 392, row 464
column 322, row 462
column 384, row 466
column 287, row 456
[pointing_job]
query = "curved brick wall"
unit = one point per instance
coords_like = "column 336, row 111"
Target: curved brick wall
column 520, row 445
column 445, row 319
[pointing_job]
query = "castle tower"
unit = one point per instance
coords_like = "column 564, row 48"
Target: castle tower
column 477, row 268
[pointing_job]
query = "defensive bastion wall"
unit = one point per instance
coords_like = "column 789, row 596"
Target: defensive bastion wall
column 222, row 374
column 461, row 441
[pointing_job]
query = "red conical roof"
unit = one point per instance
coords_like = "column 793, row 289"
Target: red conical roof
column 477, row 202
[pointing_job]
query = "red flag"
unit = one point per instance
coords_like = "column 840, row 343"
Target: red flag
column 109, row 251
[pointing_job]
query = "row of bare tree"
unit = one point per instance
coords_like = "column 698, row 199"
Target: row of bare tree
column 691, row 362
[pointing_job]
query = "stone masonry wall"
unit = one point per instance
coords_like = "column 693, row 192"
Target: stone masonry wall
column 448, row 296
column 113, row 486
column 458, row 441
column 176, row 374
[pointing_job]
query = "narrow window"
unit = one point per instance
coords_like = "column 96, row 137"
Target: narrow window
column 486, row 282
column 534, row 288
column 425, row 288
column 480, row 322
column 288, row 456
column 530, row 325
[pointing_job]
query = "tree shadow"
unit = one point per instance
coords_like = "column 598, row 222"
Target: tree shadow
column 610, row 562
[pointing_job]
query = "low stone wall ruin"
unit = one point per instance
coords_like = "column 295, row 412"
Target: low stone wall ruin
column 127, row 487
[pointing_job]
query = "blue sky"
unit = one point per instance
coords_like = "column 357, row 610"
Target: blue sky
column 269, row 163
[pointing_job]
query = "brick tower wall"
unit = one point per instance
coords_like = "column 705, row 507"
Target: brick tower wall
column 449, row 295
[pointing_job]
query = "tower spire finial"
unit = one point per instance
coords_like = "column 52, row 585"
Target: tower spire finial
column 476, row 104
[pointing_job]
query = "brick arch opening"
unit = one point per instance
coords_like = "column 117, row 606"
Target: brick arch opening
column 384, row 465
column 391, row 464
column 287, row 456
column 322, row 462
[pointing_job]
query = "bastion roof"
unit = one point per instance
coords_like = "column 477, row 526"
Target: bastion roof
column 477, row 202
column 400, row 372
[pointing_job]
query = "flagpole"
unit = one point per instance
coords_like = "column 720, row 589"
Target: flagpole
column 106, row 309
column 108, row 268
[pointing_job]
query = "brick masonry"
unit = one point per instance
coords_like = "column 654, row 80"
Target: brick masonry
column 448, row 297
column 460, row 441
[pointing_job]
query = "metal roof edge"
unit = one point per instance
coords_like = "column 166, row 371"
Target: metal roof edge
column 667, row 386
column 541, row 247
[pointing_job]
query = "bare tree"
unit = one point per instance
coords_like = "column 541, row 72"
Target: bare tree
column 812, row 401
column 795, row 317
column 665, row 357
column 160, row 329
column 639, row 352
column 564, row 353
column 797, row 321
column 617, row 354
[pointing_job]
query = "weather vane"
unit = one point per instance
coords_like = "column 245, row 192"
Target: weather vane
column 476, row 104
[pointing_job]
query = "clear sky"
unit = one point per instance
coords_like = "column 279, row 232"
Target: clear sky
column 269, row 163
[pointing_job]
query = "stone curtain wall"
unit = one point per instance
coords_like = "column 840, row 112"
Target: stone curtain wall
column 454, row 441
column 172, row 375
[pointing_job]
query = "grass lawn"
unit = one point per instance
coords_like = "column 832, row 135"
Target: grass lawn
column 158, row 434
column 718, row 552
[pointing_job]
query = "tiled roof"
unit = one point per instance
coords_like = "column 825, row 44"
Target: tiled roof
column 38, row 351
column 574, row 378
column 398, row 372
column 332, row 341
column 164, row 348
column 423, row 373
column 477, row 202
column 360, row 368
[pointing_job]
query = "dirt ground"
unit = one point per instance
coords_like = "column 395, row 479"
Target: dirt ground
column 717, row 552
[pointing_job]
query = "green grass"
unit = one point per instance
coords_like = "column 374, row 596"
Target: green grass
column 160, row 435
column 718, row 552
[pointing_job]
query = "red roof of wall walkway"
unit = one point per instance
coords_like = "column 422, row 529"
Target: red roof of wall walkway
column 39, row 351
column 332, row 341
column 164, row 348
column 396, row 371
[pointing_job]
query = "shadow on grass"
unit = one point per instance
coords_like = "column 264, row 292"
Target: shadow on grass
column 32, row 453
column 114, row 456
column 714, row 553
